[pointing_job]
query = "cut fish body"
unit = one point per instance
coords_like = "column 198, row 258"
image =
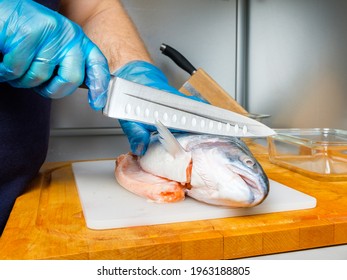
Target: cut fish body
column 130, row 175
column 215, row 170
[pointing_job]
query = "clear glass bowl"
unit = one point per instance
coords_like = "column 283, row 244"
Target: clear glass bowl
column 320, row 153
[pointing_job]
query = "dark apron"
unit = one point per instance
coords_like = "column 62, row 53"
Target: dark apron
column 24, row 134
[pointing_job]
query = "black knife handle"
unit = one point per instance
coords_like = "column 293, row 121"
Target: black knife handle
column 178, row 58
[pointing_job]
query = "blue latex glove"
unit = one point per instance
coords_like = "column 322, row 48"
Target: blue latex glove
column 43, row 50
column 147, row 74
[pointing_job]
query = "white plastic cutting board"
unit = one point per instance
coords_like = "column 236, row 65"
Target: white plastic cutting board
column 107, row 205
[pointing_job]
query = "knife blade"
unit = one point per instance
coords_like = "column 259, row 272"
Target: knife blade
column 135, row 102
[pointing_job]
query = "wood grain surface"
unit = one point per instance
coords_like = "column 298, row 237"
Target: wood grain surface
column 208, row 88
column 47, row 223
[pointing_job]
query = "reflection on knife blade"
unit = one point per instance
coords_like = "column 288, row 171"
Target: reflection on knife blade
column 135, row 102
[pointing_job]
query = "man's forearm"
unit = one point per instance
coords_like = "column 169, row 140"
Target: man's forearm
column 108, row 25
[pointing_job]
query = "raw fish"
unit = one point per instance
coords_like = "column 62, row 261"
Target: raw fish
column 212, row 169
column 131, row 176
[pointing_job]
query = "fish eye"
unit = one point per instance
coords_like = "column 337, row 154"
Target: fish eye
column 247, row 161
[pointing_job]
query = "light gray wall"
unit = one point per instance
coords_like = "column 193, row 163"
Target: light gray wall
column 297, row 63
column 202, row 30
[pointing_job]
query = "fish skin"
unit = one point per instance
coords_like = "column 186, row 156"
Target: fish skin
column 224, row 172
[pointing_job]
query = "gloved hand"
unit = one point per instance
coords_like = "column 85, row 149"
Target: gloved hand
column 43, row 50
column 149, row 75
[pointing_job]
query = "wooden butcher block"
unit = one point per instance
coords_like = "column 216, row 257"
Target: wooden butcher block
column 108, row 205
column 48, row 222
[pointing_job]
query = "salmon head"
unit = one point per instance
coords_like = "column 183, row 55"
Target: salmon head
column 224, row 172
column 217, row 170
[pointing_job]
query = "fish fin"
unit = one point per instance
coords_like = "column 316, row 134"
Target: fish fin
column 168, row 140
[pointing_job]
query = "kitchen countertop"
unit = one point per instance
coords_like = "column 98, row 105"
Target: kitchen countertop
column 47, row 223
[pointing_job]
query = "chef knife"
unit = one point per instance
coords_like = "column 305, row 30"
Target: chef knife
column 135, row 102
